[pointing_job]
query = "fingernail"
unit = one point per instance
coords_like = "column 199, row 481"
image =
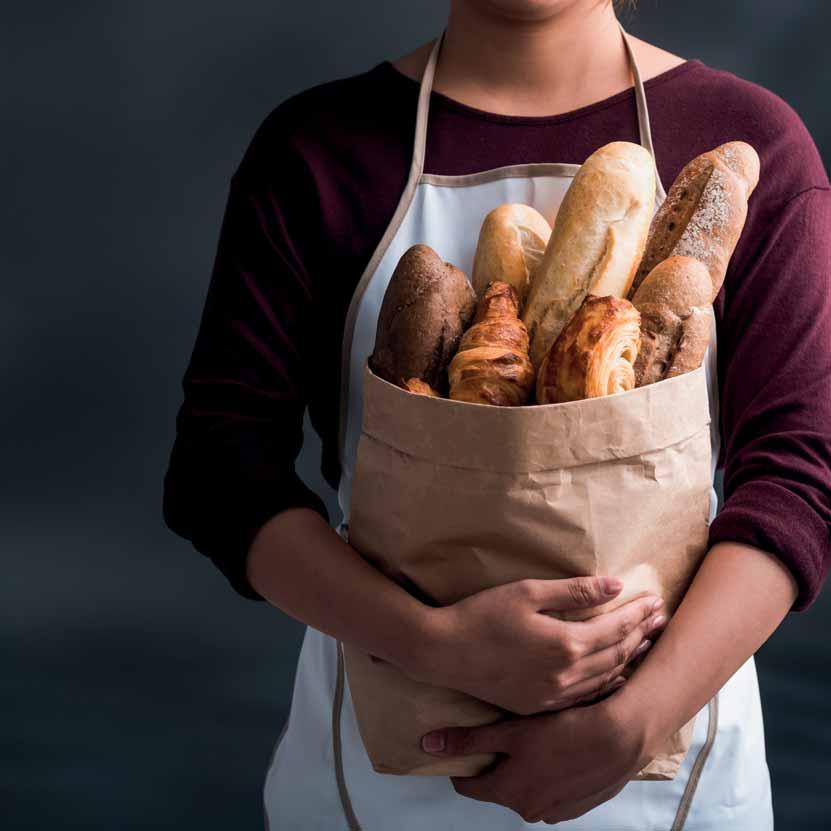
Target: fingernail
column 611, row 585
column 618, row 682
column 643, row 646
column 433, row 742
column 658, row 621
column 659, row 602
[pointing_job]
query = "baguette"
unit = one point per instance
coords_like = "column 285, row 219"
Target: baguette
column 704, row 212
column 674, row 304
column 511, row 244
column 597, row 240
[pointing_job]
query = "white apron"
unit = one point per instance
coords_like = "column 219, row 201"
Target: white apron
column 320, row 776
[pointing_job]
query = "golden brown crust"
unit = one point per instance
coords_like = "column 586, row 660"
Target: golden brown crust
column 511, row 244
column 492, row 365
column 704, row 212
column 674, row 302
column 597, row 241
column 419, row 387
column 426, row 307
column 595, row 353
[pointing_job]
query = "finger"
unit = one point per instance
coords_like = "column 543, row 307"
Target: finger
column 614, row 658
column 572, row 593
column 572, row 810
column 485, row 787
column 464, row 741
column 587, row 690
column 610, row 628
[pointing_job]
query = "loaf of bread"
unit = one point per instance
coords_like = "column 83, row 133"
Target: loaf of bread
column 492, row 365
column 597, row 240
column 426, row 308
column 674, row 303
column 704, row 212
column 419, row 387
column 511, row 243
column 594, row 355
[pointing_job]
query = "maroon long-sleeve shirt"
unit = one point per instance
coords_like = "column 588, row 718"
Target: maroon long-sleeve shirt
column 313, row 195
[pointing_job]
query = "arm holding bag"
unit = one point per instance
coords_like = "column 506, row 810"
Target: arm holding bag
column 450, row 498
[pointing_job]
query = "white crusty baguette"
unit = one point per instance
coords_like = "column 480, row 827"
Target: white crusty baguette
column 511, row 244
column 704, row 212
column 597, row 240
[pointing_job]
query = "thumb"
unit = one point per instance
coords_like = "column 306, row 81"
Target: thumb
column 578, row 592
column 465, row 741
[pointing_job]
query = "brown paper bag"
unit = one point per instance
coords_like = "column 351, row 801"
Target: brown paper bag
column 450, row 498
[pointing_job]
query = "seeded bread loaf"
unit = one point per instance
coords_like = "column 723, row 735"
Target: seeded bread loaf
column 704, row 212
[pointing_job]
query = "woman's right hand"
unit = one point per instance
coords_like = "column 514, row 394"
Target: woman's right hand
column 499, row 646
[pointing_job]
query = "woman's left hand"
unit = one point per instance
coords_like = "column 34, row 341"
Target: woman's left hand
column 555, row 766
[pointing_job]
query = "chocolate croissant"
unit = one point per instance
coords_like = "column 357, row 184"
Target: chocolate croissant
column 492, row 365
column 594, row 355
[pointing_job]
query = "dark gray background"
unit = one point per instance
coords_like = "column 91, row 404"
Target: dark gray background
column 137, row 690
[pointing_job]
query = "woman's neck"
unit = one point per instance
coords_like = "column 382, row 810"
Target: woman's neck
column 534, row 67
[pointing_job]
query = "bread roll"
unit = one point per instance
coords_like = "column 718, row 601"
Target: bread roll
column 492, row 365
column 674, row 304
column 427, row 305
column 704, row 212
column 511, row 243
column 594, row 355
column 597, row 241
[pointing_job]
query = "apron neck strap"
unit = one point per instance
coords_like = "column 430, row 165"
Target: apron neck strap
column 426, row 88
column 643, row 111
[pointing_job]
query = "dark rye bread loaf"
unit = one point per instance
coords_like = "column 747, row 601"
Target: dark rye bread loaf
column 426, row 308
column 704, row 212
column 674, row 304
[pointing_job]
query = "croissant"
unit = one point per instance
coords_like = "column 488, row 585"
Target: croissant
column 419, row 387
column 492, row 365
column 595, row 353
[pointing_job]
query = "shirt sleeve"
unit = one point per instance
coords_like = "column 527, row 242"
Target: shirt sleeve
column 775, row 377
column 239, row 428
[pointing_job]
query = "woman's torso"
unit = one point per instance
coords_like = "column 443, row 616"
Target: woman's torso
column 338, row 157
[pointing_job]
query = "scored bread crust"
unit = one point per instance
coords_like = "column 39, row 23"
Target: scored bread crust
column 426, row 307
column 511, row 244
column 704, row 212
column 674, row 303
column 597, row 241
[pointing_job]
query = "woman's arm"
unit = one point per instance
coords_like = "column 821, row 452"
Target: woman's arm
column 496, row 645
column 737, row 600
column 561, row 765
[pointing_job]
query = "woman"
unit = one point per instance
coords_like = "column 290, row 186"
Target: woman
column 333, row 182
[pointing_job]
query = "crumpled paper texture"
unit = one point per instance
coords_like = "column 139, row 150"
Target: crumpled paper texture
column 450, row 498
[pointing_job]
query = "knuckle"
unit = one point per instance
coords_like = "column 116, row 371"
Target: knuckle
column 621, row 654
column 625, row 627
column 581, row 591
column 560, row 681
column 530, row 814
column 570, row 648
column 529, row 589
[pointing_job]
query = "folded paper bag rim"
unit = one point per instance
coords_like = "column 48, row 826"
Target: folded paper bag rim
column 520, row 438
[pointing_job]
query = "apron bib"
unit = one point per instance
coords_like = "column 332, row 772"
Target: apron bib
column 320, row 776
